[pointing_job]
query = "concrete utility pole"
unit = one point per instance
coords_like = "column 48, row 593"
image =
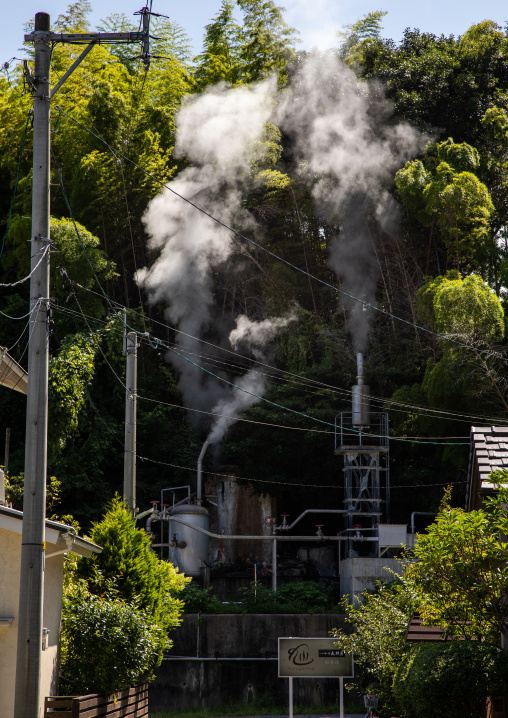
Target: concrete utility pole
column 34, row 501
column 34, row 498
column 131, row 387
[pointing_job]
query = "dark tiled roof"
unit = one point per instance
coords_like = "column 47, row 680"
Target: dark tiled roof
column 418, row 633
column 489, row 450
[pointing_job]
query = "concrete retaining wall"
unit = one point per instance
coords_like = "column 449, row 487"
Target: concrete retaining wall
column 188, row 679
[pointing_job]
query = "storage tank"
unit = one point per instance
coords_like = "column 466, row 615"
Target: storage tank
column 189, row 550
column 360, row 396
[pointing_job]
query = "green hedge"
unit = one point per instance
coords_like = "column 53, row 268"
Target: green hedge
column 304, row 597
column 444, row 680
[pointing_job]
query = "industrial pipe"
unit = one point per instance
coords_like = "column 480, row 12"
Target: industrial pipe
column 420, row 513
column 359, row 367
column 199, row 489
column 327, row 511
column 271, row 537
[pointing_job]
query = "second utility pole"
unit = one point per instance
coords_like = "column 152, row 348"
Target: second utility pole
column 131, row 387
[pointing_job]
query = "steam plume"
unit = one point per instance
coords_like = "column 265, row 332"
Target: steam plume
column 345, row 144
column 343, row 135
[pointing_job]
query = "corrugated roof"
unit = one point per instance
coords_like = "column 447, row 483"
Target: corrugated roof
column 12, row 375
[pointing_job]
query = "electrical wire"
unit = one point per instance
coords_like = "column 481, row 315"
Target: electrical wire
column 426, row 411
column 426, row 440
column 292, row 483
column 163, row 345
column 366, row 304
column 25, row 279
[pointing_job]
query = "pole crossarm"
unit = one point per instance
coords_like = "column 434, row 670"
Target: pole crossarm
column 71, row 69
column 81, row 38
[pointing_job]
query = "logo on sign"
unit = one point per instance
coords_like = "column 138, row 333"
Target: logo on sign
column 300, row 655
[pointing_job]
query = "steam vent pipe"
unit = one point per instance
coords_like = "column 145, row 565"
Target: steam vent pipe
column 199, row 489
column 360, row 392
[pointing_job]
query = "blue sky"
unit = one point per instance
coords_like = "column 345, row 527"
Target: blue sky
column 317, row 20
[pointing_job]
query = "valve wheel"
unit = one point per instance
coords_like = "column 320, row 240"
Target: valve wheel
column 269, row 520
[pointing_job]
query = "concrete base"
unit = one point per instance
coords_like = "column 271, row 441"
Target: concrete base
column 358, row 574
column 197, row 675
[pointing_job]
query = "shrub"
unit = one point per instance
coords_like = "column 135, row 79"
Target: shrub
column 444, row 680
column 107, row 644
column 305, row 597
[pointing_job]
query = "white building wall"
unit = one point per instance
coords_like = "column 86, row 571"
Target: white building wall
column 10, row 559
column 359, row 574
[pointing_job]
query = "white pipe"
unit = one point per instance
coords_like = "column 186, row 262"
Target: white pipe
column 219, row 658
column 328, row 511
column 199, row 489
column 272, row 537
column 420, row 513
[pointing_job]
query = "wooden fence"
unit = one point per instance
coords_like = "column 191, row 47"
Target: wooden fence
column 130, row 703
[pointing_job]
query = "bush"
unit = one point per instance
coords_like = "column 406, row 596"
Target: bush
column 305, row 597
column 118, row 608
column 448, row 679
column 107, row 644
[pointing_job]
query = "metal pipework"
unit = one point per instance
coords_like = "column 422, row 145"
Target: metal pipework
column 274, row 538
column 360, row 397
column 271, row 537
column 199, row 489
column 420, row 513
column 287, row 527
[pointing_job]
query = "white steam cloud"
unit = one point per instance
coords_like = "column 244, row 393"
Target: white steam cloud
column 256, row 336
column 345, row 145
column 350, row 150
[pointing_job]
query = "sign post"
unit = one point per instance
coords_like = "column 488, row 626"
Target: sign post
column 313, row 658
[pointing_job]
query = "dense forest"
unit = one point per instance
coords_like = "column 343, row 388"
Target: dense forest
column 263, row 213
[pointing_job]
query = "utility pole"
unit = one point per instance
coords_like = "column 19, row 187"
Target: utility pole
column 131, row 387
column 28, row 663
column 34, row 498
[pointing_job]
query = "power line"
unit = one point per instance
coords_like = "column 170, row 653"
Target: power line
column 25, row 279
column 292, row 483
column 424, row 411
column 429, row 411
column 276, row 256
column 162, row 345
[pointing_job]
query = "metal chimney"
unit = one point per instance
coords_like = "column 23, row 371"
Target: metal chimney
column 361, row 403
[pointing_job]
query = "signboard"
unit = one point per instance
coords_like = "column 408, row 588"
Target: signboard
column 313, row 658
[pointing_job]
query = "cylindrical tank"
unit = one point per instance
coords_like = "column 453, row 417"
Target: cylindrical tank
column 191, row 557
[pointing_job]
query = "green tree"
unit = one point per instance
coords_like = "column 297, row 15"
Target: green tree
column 458, row 573
column 140, row 576
column 378, row 638
column 358, row 39
column 444, row 194
column 220, row 60
column 440, row 681
column 266, row 40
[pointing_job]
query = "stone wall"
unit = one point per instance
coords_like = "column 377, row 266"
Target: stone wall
column 217, row 659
